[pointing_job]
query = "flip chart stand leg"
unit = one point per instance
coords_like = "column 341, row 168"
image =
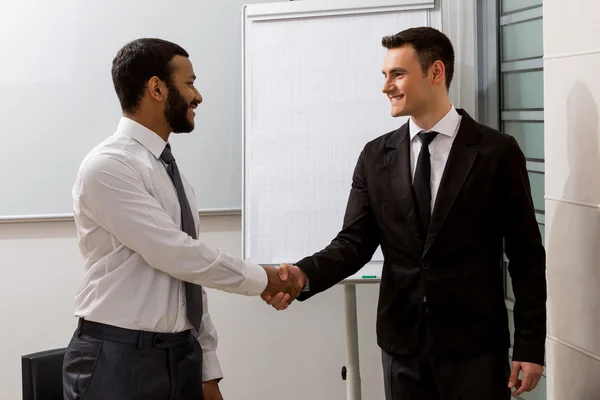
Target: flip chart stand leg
column 353, row 391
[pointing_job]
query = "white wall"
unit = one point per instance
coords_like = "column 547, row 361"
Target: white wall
column 298, row 352
column 572, row 108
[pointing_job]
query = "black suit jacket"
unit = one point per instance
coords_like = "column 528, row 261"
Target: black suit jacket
column 484, row 199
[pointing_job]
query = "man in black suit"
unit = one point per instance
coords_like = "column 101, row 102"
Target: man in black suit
column 442, row 195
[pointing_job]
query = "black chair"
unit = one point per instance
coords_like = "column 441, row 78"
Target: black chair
column 42, row 375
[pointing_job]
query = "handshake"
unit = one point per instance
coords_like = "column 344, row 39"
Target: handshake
column 284, row 285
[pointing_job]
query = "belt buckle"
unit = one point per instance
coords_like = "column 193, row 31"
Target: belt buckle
column 158, row 340
column 424, row 308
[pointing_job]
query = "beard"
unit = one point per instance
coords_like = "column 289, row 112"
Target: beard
column 176, row 112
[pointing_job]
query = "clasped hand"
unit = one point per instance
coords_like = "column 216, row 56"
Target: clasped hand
column 280, row 290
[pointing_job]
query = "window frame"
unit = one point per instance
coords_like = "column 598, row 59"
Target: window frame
column 489, row 90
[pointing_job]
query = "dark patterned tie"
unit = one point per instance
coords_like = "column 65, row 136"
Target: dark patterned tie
column 422, row 180
column 193, row 293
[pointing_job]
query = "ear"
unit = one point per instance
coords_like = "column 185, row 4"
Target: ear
column 438, row 73
column 157, row 89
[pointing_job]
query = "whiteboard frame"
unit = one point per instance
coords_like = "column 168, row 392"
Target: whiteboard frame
column 306, row 9
column 18, row 219
column 309, row 9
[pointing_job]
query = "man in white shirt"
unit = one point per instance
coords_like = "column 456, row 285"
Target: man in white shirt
column 144, row 331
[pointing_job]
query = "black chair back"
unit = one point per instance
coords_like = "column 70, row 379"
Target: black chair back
column 42, row 375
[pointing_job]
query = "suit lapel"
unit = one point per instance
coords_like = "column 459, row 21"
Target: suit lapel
column 459, row 164
column 397, row 163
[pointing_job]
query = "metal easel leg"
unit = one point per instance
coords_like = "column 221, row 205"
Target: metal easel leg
column 353, row 389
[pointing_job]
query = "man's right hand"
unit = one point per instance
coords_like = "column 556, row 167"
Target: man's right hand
column 288, row 288
column 293, row 274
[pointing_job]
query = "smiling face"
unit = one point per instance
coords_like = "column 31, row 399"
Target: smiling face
column 408, row 88
column 182, row 96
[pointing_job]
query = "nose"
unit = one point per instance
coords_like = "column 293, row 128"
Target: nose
column 387, row 86
column 197, row 96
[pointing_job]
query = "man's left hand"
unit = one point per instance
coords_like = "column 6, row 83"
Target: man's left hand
column 532, row 373
column 211, row 390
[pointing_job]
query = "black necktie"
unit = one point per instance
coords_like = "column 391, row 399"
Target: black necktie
column 422, row 180
column 193, row 293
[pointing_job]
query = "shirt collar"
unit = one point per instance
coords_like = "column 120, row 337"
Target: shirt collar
column 144, row 136
column 446, row 126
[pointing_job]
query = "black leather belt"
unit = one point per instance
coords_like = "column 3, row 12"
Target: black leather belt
column 140, row 338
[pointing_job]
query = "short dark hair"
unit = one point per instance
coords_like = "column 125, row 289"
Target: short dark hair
column 429, row 44
column 136, row 63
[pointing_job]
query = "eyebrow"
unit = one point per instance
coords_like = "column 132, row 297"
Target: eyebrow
column 398, row 69
column 192, row 77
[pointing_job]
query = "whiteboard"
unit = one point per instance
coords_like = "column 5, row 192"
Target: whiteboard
column 312, row 99
column 58, row 99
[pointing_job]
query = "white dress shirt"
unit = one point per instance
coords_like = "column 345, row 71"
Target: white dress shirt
column 439, row 148
column 136, row 256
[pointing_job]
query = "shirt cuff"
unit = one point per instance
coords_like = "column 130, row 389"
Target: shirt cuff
column 255, row 282
column 306, row 287
column 211, row 368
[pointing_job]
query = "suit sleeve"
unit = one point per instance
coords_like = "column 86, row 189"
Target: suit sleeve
column 353, row 246
column 527, row 258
